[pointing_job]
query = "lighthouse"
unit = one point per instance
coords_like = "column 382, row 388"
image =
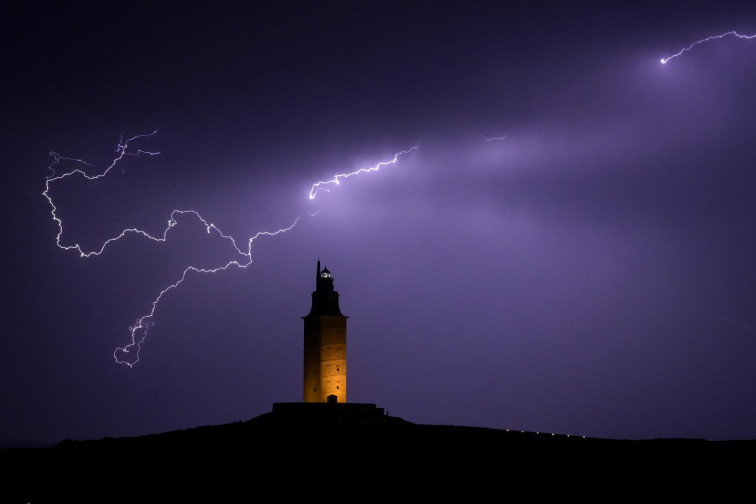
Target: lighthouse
column 325, row 366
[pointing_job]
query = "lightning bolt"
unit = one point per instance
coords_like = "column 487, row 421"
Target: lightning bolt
column 144, row 323
column 492, row 139
column 321, row 185
column 122, row 150
column 129, row 354
column 707, row 39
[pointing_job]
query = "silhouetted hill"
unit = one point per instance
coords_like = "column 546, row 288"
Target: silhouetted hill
column 291, row 453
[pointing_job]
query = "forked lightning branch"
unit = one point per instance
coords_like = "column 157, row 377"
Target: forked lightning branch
column 129, row 353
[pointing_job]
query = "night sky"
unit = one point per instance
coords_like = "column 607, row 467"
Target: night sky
column 591, row 272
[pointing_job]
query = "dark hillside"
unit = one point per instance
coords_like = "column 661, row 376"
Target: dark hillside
column 380, row 457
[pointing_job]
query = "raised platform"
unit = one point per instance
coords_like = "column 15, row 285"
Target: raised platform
column 328, row 412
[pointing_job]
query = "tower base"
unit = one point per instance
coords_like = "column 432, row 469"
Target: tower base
column 328, row 412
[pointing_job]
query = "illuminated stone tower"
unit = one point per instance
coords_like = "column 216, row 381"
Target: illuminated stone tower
column 325, row 371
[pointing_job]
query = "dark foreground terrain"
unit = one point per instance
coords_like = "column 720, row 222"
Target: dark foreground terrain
column 341, row 456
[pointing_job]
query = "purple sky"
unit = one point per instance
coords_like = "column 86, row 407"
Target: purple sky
column 590, row 274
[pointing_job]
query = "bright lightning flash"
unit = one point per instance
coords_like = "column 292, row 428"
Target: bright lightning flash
column 129, row 354
column 321, row 185
column 707, row 39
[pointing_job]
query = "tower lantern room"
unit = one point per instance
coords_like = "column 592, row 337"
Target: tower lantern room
column 325, row 344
